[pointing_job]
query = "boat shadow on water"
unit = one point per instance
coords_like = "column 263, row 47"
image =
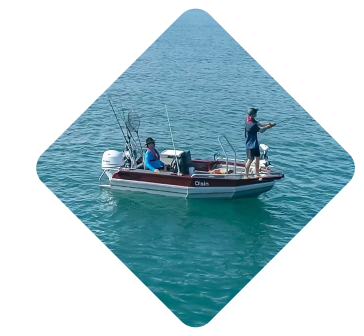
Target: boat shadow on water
column 250, row 213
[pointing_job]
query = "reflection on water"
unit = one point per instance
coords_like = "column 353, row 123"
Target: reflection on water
column 192, row 211
column 170, row 222
column 195, row 250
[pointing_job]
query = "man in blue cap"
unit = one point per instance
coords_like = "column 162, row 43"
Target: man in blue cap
column 252, row 145
column 152, row 157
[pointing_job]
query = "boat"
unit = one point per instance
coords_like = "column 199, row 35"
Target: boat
column 221, row 177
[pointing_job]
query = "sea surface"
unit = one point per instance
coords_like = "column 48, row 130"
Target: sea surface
column 196, row 255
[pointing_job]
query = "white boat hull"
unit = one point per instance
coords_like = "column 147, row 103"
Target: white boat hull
column 192, row 192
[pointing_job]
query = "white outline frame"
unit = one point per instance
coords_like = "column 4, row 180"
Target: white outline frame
column 47, row 122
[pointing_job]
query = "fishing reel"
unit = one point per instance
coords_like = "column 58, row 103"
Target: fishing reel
column 129, row 158
column 127, row 162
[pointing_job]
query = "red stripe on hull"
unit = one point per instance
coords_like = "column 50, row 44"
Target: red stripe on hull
column 187, row 181
column 151, row 177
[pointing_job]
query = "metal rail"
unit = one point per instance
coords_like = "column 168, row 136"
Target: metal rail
column 225, row 159
column 234, row 176
column 223, row 149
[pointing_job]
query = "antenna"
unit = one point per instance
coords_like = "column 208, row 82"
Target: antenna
column 174, row 148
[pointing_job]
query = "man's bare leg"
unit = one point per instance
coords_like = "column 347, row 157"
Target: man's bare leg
column 247, row 167
column 257, row 158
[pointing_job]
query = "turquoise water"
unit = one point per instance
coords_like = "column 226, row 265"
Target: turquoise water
column 196, row 255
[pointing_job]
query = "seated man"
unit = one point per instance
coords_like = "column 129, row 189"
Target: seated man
column 152, row 157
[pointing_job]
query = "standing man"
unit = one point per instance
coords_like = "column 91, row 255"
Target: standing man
column 252, row 145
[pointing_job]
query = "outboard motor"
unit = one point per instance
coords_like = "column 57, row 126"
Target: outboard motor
column 264, row 148
column 264, row 162
column 112, row 159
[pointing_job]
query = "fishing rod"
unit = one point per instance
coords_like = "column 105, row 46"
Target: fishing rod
column 126, row 140
column 281, row 121
column 170, row 130
column 128, row 126
column 134, row 123
column 129, row 134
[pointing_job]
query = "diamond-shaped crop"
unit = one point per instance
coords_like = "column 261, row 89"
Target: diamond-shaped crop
column 196, row 255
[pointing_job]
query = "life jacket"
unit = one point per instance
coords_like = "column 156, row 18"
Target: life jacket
column 155, row 154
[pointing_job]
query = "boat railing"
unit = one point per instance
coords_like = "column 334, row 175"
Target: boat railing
column 223, row 149
column 226, row 159
column 221, row 176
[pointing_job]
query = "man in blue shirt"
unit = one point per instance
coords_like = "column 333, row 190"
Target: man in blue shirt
column 252, row 145
column 152, row 157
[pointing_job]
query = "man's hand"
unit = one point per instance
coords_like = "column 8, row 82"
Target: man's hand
column 156, row 171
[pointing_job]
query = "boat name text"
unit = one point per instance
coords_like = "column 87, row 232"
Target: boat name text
column 201, row 184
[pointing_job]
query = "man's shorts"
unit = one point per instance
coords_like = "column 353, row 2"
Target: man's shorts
column 252, row 153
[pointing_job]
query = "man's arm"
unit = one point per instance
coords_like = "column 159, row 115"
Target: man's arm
column 147, row 162
column 266, row 124
column 263, row 129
